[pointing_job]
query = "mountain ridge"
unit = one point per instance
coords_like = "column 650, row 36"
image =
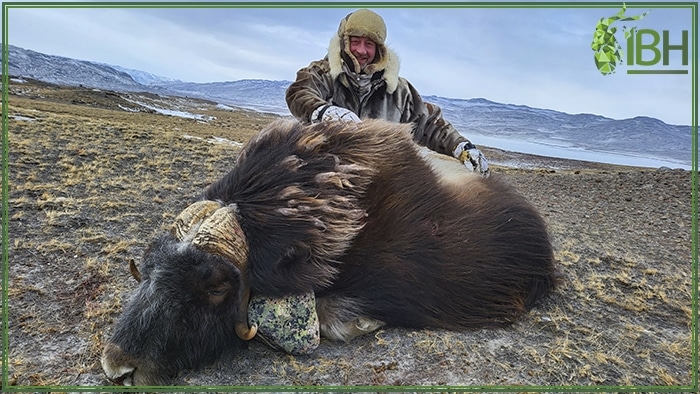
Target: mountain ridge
column 477, row 118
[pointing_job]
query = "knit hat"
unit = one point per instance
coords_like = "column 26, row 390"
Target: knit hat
column 363, row 23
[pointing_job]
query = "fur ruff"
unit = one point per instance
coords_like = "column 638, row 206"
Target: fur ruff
column 388, row 62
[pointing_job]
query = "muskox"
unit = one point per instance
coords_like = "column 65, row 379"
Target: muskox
column 354, row 213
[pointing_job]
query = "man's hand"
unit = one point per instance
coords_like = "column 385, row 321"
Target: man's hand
column 472, row 158
column 327, row 113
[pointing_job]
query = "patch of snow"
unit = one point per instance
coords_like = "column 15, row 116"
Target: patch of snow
column 128, row 109
column 19, row 117
column 18, row 80
column 224, row 107
column 181, row 114
column 172, row 112
column 214, row 140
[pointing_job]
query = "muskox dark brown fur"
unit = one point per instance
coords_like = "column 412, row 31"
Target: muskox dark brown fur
column 358, row 215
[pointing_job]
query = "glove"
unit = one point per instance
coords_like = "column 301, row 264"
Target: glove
column 328, row 112
column 472, row 158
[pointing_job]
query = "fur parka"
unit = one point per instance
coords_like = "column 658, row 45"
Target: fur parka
column 391, row 97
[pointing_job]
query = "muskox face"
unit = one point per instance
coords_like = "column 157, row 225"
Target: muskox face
column 185, row 312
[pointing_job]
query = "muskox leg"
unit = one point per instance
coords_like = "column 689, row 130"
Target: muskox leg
column 340, row 318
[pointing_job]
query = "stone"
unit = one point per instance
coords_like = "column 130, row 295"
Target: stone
column 289, row 323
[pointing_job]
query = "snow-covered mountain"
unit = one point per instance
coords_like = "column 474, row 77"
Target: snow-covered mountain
column 67, row 71
column 639, row 136
column 261, row 95
column 638, row 141
column 142, row 77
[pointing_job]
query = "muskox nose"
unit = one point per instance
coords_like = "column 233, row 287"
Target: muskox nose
column 116, row 365
column 124, row 380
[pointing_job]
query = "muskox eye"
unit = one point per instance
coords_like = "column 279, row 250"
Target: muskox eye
column 217, row 294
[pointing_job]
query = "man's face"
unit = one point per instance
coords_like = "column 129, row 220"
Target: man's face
column 363, row 49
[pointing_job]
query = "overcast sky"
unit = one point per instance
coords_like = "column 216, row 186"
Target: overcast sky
column 540, row 57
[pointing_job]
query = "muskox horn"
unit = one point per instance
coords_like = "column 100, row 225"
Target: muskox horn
column 242, row 330
column 188, row 221
column 215, row 229
column 221, row 234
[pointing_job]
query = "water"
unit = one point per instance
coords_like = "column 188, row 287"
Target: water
column 569, row 152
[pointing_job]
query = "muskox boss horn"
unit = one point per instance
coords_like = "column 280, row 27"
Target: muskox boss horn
column 353, row 213
column 216, row 230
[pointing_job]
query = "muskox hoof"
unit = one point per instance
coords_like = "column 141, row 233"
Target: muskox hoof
column 347, row 330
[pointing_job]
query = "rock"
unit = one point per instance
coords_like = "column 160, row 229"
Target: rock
column 289, row 323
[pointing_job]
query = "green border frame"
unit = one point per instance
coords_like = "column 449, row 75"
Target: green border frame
column 6, row 6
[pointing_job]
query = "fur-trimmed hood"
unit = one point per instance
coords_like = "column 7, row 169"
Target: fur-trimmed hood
column 388, row 61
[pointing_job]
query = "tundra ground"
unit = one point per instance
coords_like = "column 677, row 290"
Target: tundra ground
column 93, row 175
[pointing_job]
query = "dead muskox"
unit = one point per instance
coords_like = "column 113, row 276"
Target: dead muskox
column 354, row 213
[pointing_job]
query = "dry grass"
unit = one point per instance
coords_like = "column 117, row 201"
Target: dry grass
column 91, row 183
column 73, row 198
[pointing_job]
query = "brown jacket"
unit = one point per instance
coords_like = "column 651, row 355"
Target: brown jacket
column 390, row 97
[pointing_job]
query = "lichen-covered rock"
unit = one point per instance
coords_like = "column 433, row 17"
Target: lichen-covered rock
column 289, row 323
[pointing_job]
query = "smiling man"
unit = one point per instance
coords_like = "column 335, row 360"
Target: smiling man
column 359, row 78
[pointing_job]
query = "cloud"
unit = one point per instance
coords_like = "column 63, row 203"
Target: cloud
column 531, row 56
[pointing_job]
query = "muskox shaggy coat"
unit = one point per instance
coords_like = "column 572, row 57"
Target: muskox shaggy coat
column 358, row 215
column 355, row 212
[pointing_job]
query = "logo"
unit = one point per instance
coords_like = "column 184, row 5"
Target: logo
column 643, row 54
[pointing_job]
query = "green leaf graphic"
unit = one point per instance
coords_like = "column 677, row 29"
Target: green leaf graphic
column 608, row 52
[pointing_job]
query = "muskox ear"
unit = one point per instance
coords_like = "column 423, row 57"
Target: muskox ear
column 134, row 271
